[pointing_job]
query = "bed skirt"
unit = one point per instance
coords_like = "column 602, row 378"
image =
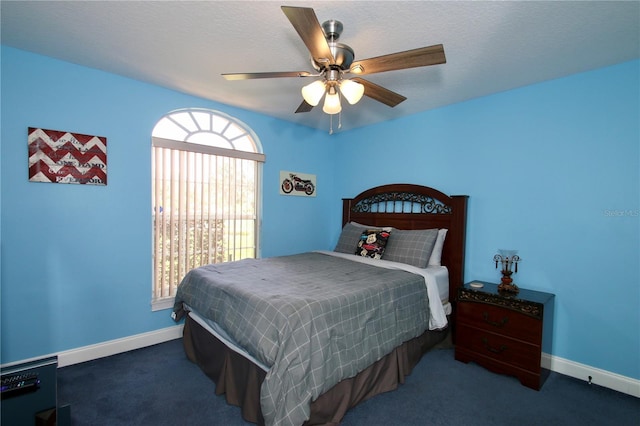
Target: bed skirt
column 240, row 379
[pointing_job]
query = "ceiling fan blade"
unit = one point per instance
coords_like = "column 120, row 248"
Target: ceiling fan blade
column 254, row 75
column 379, row 93
column 306, row 23
column 304, row 107
column 421, row 57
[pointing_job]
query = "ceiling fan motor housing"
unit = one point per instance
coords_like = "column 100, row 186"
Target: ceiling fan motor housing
column 342, row 53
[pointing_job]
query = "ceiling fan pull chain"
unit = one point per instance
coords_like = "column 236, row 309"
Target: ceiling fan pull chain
column 340, row 112
column 331, row 124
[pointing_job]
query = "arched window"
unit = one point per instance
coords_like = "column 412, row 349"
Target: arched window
column 206, row 169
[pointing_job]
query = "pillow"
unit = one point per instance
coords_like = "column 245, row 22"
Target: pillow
column 436, row 254
column 411, row 247
column 372, row 243
column 350, row 237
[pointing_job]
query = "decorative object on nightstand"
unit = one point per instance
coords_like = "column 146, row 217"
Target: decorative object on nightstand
column 505, row 332
column 507, row 258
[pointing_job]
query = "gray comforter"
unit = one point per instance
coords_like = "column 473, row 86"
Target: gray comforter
column 314, row 319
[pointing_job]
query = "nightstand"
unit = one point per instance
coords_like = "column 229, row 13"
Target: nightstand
column 505, row 332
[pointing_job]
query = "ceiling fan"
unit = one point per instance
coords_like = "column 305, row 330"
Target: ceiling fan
column 333, row 60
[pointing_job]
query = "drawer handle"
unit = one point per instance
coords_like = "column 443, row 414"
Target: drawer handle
column 499, row 350
column 485, row 315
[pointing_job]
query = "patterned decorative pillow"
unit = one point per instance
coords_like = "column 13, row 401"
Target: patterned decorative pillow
column 411, row 247
column 372, row 243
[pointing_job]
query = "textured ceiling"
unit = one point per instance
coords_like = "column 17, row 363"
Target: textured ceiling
column 491, row 46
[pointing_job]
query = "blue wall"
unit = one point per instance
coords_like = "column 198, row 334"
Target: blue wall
column 76, row 260
column 551, row 170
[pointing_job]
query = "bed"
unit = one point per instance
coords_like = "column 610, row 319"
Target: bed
column 300, row 339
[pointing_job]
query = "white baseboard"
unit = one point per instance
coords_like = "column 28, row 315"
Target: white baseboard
column 113, row 347
column 594, row 375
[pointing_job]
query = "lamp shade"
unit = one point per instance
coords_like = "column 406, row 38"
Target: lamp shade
column 332, row 103
column 313, row 92
column 352, row 91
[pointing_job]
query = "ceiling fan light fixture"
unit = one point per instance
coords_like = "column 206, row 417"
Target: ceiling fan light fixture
column 357, row 69
column 332, row 102
column 313, row 92
column 352, row 91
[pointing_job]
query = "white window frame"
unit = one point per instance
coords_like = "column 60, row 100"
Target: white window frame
column 206, row 132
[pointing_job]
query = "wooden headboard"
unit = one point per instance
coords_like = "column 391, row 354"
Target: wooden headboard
column 406, row 206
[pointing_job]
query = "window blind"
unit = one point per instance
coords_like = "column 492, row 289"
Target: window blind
column 204, row 211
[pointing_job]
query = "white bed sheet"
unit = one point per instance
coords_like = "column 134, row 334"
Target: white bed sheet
column 441, row 275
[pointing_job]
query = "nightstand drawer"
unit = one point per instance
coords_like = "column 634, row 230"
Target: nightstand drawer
column 500, row 320
column 498, row 347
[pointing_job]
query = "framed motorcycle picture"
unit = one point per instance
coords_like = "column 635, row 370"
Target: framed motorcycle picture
column 294, row 183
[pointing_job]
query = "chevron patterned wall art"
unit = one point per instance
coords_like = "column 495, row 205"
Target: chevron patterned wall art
column 64, row 157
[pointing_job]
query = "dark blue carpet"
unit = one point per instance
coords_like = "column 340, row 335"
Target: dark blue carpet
column 159, row 386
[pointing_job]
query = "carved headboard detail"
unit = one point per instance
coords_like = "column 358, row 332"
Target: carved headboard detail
column 400, row 202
